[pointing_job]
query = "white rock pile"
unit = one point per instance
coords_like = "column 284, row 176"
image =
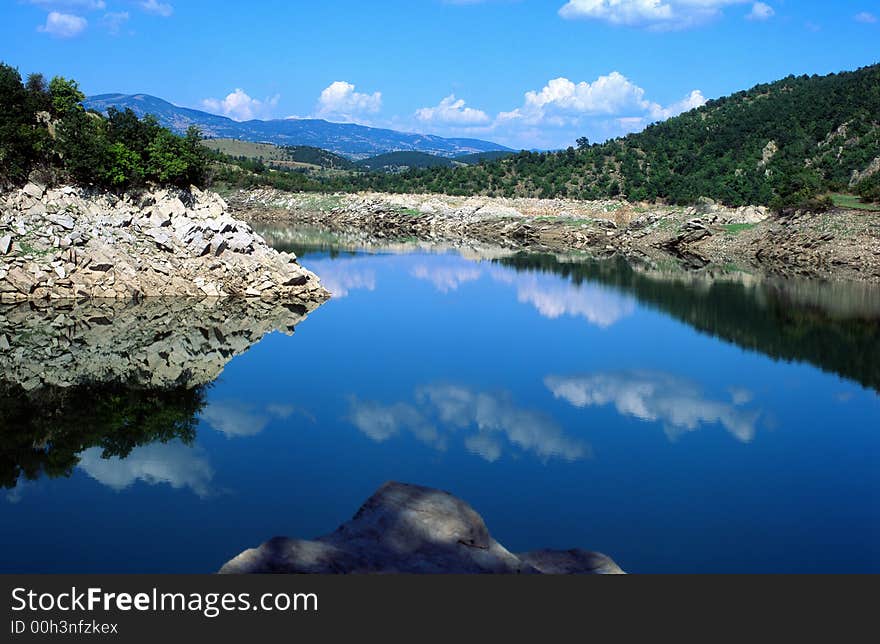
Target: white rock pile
column 71, row 243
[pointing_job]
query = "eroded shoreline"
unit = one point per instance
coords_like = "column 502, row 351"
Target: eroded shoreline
column 835, row 245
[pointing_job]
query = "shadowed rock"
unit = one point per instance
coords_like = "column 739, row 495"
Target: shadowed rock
column 406, row 528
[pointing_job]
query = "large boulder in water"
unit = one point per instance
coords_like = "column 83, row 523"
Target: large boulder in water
column 411, row 529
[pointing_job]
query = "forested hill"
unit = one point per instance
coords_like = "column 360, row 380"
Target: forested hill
column 783, row 143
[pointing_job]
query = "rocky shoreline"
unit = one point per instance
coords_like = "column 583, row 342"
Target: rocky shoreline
column 73, row 243
column 410, row 529
column 835, row 245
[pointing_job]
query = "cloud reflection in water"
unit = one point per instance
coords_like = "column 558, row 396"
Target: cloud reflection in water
column 174, row 464
column 488, row 422
column 658, row 397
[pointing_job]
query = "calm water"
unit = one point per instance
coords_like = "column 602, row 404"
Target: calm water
column 677, row 424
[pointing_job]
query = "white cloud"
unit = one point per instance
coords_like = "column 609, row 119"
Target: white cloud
column 495, row 416
column 693, row 100
column 339, row 100
column 235, row 419
column 452, row 111
column 173, row 464
column 239, row 106
column 761, row 11
column 340, row 277
column 157, row 8
column 865, row 17
column 84, row 5
column 657, row 15
column 659, row 397
column 563, row 102
column 554, row 298
column 382, row 422
column 562, row 110
column 489, row 422
column 63, row 25
column 446, row 278
column 606, row 95
column 114, row 21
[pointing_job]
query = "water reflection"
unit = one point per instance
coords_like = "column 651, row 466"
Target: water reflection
column 44, row 431
column 677, row 403
column 489, row 423
column 117, row 387
column 176, row 464
column 833, row 326
column 448, row 277
column 341, row 276
column 235, row 419
column 485, row 372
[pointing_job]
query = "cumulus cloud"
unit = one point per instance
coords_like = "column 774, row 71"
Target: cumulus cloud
column 339, row 100
column 563, row 102
column 866, row 18
column 382, row 422
column 658, row 15
column 157, row 8
column 446, row 278
column 553, row 298
column 173, row 464
column 496, row 417
column 114, row 21
column 235, row 419
column 63, row 25
column 761, row 11
column 489, row 423
column 340, row 277
column 452, row 111
column 606, row 95
column 692, row 101
column 658, row 397
column 240, row 107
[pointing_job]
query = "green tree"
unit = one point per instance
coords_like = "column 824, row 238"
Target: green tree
column 66, row 96
column 18, row 138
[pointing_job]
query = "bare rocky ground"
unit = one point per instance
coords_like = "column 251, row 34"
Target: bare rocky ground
column 71, row 243
column 835, row 245
column 411, row 529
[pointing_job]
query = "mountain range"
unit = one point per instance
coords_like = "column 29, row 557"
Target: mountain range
column 349, row 139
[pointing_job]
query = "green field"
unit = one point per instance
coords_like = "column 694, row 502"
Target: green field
column 853, row 202
column 234, row 148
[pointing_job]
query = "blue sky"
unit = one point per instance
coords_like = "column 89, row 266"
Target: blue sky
column 526, row 73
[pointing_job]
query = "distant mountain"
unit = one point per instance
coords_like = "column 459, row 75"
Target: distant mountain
column 354, row 141
column 401, row 161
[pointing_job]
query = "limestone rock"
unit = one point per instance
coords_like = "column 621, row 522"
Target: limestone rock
column 153, row 244
column 406, row 528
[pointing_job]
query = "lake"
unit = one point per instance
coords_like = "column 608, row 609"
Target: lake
column 676, row 422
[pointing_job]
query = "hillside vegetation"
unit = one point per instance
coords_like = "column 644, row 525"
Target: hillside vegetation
column 783, row 144
column 402, row 161
column 44, row 128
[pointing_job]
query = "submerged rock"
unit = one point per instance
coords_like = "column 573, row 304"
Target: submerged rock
column 406, row 528
column 73, row 243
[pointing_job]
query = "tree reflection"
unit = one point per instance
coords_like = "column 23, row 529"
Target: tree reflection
column 835, row 327
column 43, row 432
